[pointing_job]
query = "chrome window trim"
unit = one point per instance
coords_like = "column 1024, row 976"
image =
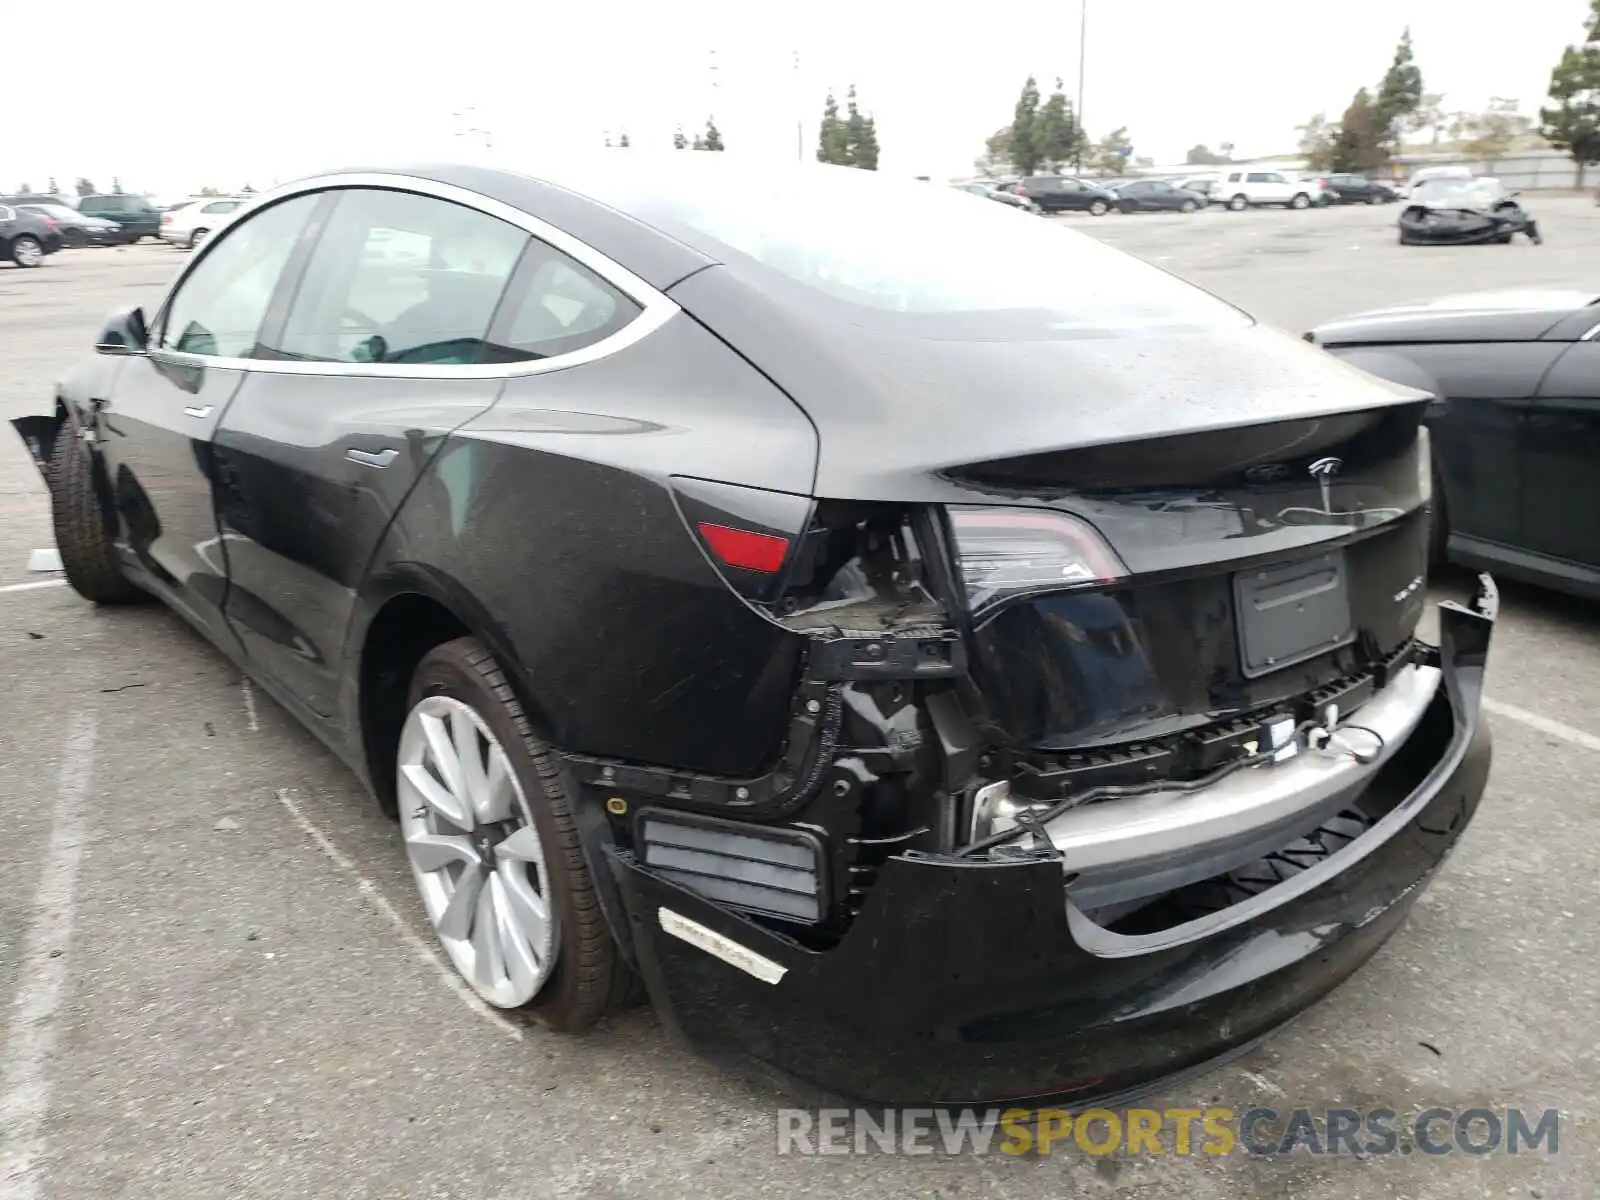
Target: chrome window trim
column 657, row 307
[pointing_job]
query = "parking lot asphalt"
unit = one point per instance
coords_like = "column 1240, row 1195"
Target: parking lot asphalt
column 219, row 981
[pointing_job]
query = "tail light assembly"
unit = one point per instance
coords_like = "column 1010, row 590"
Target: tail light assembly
column 1005, row 553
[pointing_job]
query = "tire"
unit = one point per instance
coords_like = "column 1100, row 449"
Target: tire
column 1098, row 209
column 1375, row 199
column 586, row 978
column 1238, row 204
column 1188, row 206
column 26, row 251
column 84, row 525
column 198, row 236
column 1300, row 201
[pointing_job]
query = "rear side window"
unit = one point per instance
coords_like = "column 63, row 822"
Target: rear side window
column 556, row 306
column 401, row 278
column 221, row 304
column 6, row 214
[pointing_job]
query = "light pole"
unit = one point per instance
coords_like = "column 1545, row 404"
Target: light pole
column 1083, row 46
column 799, row 108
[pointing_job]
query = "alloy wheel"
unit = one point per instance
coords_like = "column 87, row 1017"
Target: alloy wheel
column 27, row 252
column 475, row 852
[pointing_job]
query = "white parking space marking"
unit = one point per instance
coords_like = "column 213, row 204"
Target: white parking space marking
column 424, row 952
column 1533, row 720
column 32, row 587
column 45, row 560
column 249, row 693
column 31, row 1032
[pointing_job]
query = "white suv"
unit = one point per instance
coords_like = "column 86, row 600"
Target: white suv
column 1241, row 189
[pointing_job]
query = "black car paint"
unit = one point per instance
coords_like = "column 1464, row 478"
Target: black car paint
column 25, row 224
column 966, row 983
column 1158, row 196
column 546, row 514
column 1445, row 223
column 1063, row 193
column 1515, row 424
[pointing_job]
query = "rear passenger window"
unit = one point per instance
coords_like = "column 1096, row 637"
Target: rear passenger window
column 556, row 306
column 401, row 278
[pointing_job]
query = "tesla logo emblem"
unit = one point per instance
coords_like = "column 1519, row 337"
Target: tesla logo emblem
column 1266, row 473
column 1323, row 471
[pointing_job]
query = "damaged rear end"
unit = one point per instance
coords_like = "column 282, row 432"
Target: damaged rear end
column 1115, row 743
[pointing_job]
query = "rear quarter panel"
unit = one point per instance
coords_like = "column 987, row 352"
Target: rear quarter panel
column 548, row 524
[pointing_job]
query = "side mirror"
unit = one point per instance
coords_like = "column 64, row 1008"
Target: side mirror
column 124, row 333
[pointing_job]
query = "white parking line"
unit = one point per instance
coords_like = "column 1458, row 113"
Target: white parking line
column 1533, row 720
column 32, row 587
column 249, row 703
column 31, row 1034
column 424, row 952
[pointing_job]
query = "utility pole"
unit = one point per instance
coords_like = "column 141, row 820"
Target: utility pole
column 1083, row 46
column 799, row 108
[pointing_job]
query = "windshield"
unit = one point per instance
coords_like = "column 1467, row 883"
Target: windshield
column 854, row 246
column 1482, row 192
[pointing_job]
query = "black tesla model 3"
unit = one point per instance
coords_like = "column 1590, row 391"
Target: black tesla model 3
column 944, row 658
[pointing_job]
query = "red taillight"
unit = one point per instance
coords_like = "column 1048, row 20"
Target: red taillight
column 49, row 223
column 166, row 218
column 1020, row 191
column 760, row 552
column 1009, row 552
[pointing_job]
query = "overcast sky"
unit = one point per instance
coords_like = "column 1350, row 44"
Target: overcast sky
column 226, row 95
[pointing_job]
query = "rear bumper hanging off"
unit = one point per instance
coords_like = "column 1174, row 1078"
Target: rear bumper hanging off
column 978, row 981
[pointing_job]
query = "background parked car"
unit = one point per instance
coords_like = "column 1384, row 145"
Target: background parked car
column 137, row 216
column 1246, row 189
column 1357, row 189
column 991, row 190
column 1063, row 193
column 26, row 238
column 76, row 228
column 190, row 224
column 1157, row 195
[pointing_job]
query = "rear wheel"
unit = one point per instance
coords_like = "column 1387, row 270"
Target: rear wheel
column 493, row 842
column 84, row 525
column 1238, row 204
column 1301, row 200
column 26, row 251
column 1374, row 199
column 1188, row 206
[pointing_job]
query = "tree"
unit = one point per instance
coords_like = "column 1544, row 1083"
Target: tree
column 1359, row 146
column 25, row 189
column 1024, row 149
column 712, row 138
column 996, row 152
column 861, row 135
column 1057, row 135
column 831, row 146
column 1572, row 121
column 247, row 190
column 1201, row 155
column 208, row 190
column 116, row 186
column 54, row 190
column 1399, row 96
column 1491, row 134
column 1429, row 116
column 679, row 141
column 1317, row 138
column 1227, row 151
column 83, row 186
column 1111, row 153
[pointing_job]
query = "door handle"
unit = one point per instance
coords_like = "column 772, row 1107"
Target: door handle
column 199, row 413
column 372, row 458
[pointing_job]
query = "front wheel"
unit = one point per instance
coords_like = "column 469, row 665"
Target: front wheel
column 1188, row 206
column 84, row 525
column 1098, row 208
column 1374, row 199
column 198, row 236
column 493, row 841
column 1301, row 200
column 1238, row 204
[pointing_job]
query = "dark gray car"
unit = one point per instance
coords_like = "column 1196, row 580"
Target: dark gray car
column 25, row 238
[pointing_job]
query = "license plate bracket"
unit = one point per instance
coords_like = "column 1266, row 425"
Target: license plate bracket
column 1287, row 614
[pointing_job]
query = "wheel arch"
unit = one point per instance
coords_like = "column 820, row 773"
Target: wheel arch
column 403, row 614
